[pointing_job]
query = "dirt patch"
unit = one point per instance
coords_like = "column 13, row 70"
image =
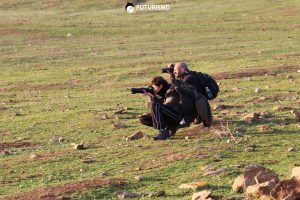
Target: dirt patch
column 228, row 75
column 253, row 72
column 3, row 90
column 268, row 98
column 174, row 156
column 19, row 144
column 8, row 31
column 56, row 192
column 43, row 87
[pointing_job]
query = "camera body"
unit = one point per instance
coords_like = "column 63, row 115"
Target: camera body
column 169, row 69
column 148, row 89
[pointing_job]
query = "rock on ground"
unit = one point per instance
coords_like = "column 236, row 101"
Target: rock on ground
column 194, row 185
column 139, row 178
column 296, row 172
column 251, row 118
column 262, row 189
column 157, row 194
column 296, row 114
column 205, row 194
column 287, row 189
column 136, row 136
column 78, row 146
column 253, row 174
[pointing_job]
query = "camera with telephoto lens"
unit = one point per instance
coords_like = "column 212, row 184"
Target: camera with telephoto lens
column 148, row 89
column 169, row 69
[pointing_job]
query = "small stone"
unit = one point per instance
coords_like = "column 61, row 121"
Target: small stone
column 250, row 148
column 262, row 98
column 271, row 74
column 127, row 195
column 218, row 156
column 104, row 116
column 119, row 125
column 258, row 90
column 18, row 114
column 138, row 168
column 289, row 76
column 78, row 146
column 291, row 149
column 136, row 136
column 279, row 108
column 219, row 107
column 251, row 118
column 5, row 152
column 69, row 34
column 296, row 114
column 139, row 178
column 203, row 195
column 57, row 139
column 187, row 137
column 194, row 185
column 104, row 174
column 82, row 170
column 212, row 171
column 33, row 156
column 298, row 71
column 265, row 129
column 157, row 194
column 265, row 115
column 88, row 161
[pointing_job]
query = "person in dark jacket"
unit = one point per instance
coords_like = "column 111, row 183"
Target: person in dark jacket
column 182, row 73
column 164, row 105
column 183, row 76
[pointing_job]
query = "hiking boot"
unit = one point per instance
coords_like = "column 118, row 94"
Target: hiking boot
column 162, row 135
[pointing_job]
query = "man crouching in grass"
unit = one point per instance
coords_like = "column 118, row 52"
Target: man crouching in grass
column 164, row 105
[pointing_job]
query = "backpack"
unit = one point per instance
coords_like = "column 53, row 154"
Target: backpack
column 194, row 104
column 209, row 85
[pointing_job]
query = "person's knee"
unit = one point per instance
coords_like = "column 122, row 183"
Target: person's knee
column 146, row 120
column 142, row 119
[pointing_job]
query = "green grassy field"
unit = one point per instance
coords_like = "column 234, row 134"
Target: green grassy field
column 64, row 64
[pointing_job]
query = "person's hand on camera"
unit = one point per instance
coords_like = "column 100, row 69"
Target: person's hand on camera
column 149, row 95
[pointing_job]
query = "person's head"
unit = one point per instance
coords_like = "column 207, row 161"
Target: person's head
column 179, row 69
column 158, row 83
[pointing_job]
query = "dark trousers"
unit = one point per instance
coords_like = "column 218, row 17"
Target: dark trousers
column 161, row 117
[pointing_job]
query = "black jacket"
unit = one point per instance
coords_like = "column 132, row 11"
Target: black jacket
column 169, row 97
